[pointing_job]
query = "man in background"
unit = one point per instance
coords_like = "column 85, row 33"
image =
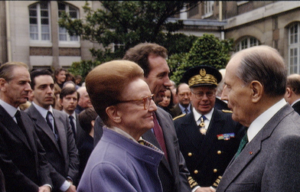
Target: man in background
column 69, row 98
column 53, row 129
column 292, row 94
column 84, row 101
column 183, row 94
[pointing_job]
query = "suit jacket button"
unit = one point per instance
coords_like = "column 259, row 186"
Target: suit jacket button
column 196, row 171
column 190, row 154
column 219, row 152
column 215, row 170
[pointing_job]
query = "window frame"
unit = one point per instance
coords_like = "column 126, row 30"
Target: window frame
column 245, row 43
column 208, row 8
column 39, row 23
column 68, row 41
column 292, row 47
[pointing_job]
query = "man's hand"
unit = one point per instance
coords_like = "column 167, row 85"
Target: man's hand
column 44, row 189
column 72, row 188
column 205, row 189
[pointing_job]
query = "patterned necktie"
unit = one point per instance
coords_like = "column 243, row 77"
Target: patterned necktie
column 242, row 145
column 202, row 125
column 72, row 124
column 159, row 135
column 49, row 115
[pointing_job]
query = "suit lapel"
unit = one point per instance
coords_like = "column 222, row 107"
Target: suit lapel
column 165, row 126
column 12, row 126
column 61, row 132
column 42, row 124
column 28, row 131
column 253, row 148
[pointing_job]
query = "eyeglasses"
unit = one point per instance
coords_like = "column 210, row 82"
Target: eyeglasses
column 199, row 95
column 146, row 100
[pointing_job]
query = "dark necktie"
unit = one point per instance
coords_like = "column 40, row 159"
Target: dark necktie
column 186, row 110
column 202, row 125
column 159, row 135
column 19, row 121
column 242, row 145
column 49, row 115
column 72, row 124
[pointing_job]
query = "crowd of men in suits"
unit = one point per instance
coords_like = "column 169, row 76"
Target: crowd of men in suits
column 254, row 146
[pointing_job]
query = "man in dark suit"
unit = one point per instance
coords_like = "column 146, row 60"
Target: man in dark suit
column 54, row 131
column 208, row 138
column 68, row 99
column 183, row 94
column 22, row 157
column 255, row 84
column 292, row 94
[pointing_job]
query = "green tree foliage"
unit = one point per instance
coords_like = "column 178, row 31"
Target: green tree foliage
column 128, row 23
column 207, row 50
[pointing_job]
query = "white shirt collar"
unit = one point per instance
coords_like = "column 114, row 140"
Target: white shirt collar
column 261, row 120
column 198, row 115
column 11, row 110
column 295, row 102
column 42, row 110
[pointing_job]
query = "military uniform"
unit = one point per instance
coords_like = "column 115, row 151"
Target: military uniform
column 207, row 147
column 207, row 156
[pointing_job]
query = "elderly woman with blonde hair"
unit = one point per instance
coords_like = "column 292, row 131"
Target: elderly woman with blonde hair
column 122, row 161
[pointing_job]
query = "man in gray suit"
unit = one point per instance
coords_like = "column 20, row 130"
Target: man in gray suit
column 255, row 84
column 54, row 131
column 68, row 99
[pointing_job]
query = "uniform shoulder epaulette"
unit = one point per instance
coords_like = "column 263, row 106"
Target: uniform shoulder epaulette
column 227, row 111
column 182, row 115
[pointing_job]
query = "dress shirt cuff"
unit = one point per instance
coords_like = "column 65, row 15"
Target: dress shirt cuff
column 48, row 185
column 195, row 188
column 65, row 186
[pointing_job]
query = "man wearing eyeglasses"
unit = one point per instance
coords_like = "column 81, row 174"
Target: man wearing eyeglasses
column 208, row 138
column 183, row 94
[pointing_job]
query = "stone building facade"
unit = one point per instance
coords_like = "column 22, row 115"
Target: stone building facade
column 29, row 31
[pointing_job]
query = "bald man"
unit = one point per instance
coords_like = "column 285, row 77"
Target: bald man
column 84, row 100
column 269, row 154
column 292, row 94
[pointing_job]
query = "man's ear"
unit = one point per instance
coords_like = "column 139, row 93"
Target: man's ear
column 113, row 114
column 257, row 90
column 288, row 92
column 2, row 84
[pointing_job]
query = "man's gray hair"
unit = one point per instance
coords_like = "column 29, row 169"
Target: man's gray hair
column 264, row 64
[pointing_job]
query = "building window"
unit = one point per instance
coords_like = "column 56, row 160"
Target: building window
column 208, row 8
column 39, row 21
column 294, row 47
column 74, row 14
column 246, row 43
